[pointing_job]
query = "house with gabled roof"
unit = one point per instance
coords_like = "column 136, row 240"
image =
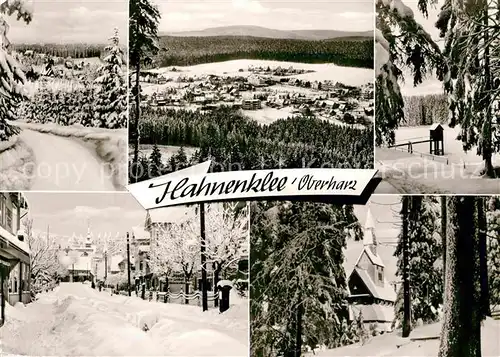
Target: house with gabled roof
column 371, row 296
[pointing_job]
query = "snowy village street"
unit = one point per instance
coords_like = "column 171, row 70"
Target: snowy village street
column 75, row 319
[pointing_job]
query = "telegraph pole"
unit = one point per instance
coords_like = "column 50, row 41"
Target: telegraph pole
column 204, row 285
column 128, row 263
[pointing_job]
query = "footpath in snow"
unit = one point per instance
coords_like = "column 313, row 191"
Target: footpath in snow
column 76, row 320
column 64, row 164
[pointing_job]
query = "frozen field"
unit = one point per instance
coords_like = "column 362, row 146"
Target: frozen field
column 75, row 320
column 347, row 75
column 455, row 172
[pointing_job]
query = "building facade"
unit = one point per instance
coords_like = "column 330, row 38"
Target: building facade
column 371, row 296
column 80, row 261
column 14, row 250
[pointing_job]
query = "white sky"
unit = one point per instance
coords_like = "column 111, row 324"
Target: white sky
column 72, row 21
column 66, row 213
column 385, row 211
column 342, row 15
column 430, row 85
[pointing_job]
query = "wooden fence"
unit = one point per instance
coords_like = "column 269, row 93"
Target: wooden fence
column 179, row 298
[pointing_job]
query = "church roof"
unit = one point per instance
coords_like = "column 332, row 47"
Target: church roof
column 373, row 313
column 385, row 292
column 370, row 222
column 374, row 258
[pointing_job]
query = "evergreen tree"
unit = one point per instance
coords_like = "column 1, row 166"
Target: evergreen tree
column 181, row 159
column 111, row 103
column 400, row 42
column 144, row 18
column 155, row 163
column 461, row 330
column 298, row 281
column 12, row 77
column 426, row 279
column 471, row 40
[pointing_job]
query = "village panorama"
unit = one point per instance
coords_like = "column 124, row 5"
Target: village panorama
column 251, row 97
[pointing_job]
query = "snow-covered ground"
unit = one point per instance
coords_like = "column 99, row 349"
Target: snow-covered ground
column 348, row 75
column 76, row 320
column 74, row 158
column 455, row 172
column 394, row 345
column 16, row 165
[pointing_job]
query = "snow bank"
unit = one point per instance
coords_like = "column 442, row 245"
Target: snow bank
column 17, row 163
column 394, row 345
column 109, row 145
column 75, row 320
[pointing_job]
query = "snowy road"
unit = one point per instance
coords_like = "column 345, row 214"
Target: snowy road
column 64, row 164
column 79, row 321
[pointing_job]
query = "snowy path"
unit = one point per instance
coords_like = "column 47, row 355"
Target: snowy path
column 64, row 164
column 77, row 320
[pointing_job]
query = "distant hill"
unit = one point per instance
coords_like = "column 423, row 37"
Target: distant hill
column 263, row 32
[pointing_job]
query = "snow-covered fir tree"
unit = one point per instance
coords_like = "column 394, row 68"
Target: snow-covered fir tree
column 425, row 274
column 298, row 288
column 155, row 162
column 111, row 103
column 401, row 43
column 12, row 77
column 472, row 38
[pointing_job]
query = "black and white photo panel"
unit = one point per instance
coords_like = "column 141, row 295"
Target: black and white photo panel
column 63, row 95
column 94, row 274
column 400, row 276
column 437, row 97
column 251, row 85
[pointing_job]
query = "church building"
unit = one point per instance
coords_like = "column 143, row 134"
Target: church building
column 370, row 294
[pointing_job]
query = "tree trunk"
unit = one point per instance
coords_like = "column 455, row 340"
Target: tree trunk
column 483, row 259
column 486, row 135
column 461, row 330
column 443, row 239
column 298, row 329
column 216, row 280
column 166, row 284
column 186, row 290
column 135, row 128
column 406, row 280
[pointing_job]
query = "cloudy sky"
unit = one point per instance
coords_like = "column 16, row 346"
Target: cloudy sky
column 66, row 213
column 430, row 85
column 71, row 21
column 343, row 15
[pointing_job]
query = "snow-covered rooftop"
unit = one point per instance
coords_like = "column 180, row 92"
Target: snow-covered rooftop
column 385, row 292
column 372, row 313
column 115, row 261
column 171, row 214
column 140, row 233
column 12, row 239
column 82, row 263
